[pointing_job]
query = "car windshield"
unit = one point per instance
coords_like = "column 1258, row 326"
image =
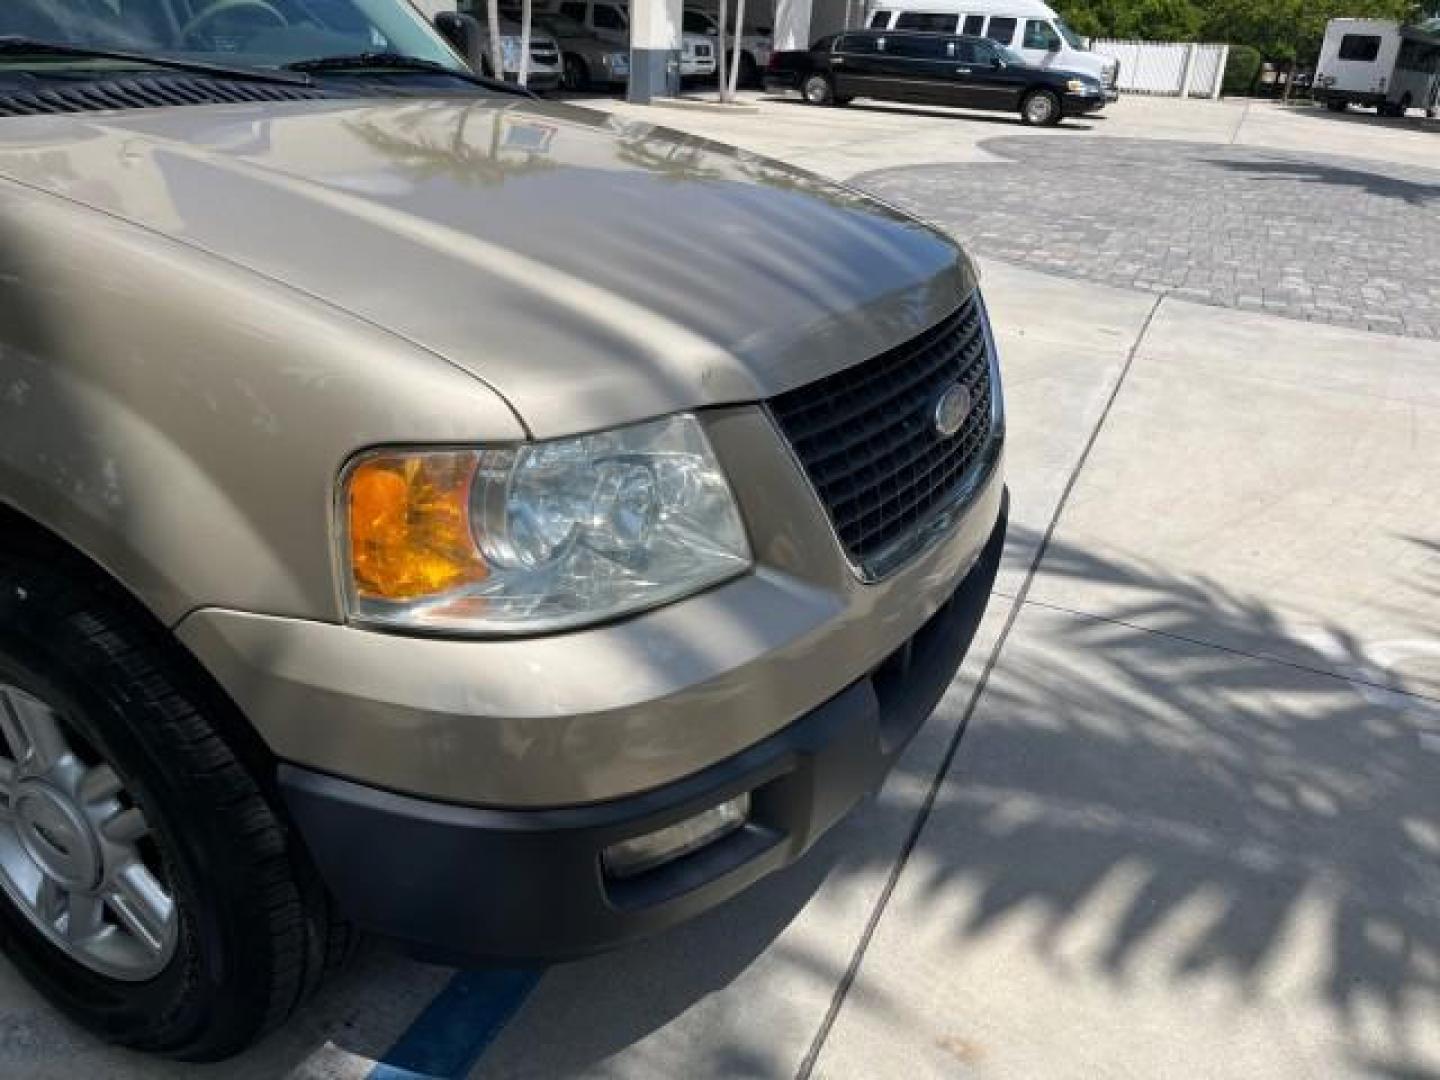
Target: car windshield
column 1074, row 40
column 248, row 33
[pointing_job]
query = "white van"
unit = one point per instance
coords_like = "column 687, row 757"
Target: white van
column 1030, row 27
column 1381, row 64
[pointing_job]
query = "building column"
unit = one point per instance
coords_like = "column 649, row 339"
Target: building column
column 654, row 49
column 792, row 25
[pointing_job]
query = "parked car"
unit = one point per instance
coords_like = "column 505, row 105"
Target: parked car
column 1029, row 27
column 610, row 21
column 589, row 60
column 434, row 511
column 932, row 69
column 546, row 69
column 755, row 44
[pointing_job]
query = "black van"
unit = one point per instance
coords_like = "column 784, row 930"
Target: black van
column 932, row 69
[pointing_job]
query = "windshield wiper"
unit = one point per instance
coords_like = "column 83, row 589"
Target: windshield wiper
column 12, row 45
column 394, row 61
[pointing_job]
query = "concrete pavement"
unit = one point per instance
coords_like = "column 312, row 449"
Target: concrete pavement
column 844, row 142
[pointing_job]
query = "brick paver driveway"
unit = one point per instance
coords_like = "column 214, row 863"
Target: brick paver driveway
column 1335, row 240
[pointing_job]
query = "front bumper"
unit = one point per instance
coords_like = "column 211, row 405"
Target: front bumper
column 458, row 883
column 1079, row 104
column 541, row 81
column 1326, row 94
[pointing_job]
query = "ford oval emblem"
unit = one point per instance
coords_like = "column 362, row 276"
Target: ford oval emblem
column 951, row 408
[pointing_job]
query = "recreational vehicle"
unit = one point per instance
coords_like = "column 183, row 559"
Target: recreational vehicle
column 1379, row 64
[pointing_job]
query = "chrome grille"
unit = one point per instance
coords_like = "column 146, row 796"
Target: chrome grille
column 867, row 437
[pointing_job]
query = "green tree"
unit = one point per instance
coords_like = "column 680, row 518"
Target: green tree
column 1292, row 30
column 1241, row 68
column 1280, row 30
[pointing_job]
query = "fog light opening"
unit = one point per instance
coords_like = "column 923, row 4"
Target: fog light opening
column 630, row 858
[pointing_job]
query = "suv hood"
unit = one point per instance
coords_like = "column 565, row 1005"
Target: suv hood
column 592, row 271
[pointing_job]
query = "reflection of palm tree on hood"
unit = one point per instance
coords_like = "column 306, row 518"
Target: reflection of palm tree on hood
column 671, row 156
column 404, row 140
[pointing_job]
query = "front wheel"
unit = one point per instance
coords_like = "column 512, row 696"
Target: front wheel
column 1403, row 106
column 818, row 90
column 147, row 886
column 1040, row 108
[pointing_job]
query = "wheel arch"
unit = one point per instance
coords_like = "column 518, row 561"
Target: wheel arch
column 22, row 535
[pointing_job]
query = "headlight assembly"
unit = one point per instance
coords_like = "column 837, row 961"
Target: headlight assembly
column 536, row 537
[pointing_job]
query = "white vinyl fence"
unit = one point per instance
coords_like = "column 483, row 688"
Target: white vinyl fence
column 1167, row 68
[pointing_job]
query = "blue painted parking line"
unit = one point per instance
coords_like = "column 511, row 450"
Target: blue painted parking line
column 446, row 1040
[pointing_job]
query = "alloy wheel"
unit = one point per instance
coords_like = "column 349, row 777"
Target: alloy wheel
column 1039, row 108
column 817, row 90
column 75, row 853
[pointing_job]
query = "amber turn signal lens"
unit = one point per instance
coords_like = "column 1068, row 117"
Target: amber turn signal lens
column 410, row 525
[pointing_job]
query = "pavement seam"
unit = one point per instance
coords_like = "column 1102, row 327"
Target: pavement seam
column 1240, row 124
column 1233, row 650
column 857, row 958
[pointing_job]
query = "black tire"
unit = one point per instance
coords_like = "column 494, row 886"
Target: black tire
column 817, row 89
column 1337, row 106
column 577, row 74
column 256, row 932
column 1041, row 108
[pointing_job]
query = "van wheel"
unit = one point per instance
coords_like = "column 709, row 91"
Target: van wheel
column 818, row 90
column 1041, row 108
column 147, row 886
column 577, row 75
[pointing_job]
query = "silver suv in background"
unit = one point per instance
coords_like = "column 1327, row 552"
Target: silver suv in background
column 589, row 60
column 431, row 511
column 755, row 44
column 546, row 70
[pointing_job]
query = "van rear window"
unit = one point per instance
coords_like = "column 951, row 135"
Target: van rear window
column 1362, row 47
column 1001, row 30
